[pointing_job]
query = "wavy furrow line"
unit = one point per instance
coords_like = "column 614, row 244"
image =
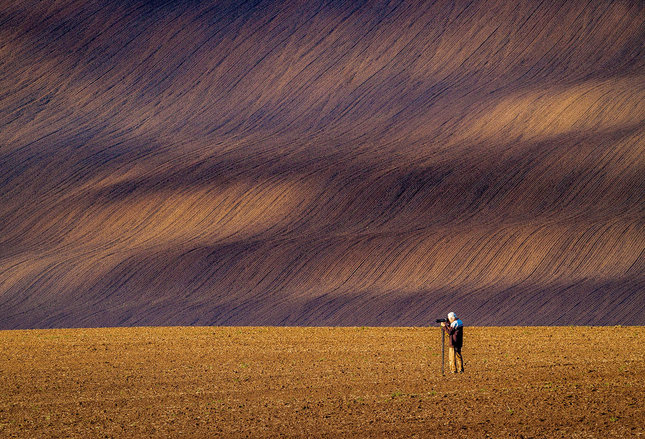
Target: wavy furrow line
column 321, row 163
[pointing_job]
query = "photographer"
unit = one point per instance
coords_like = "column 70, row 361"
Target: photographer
column 455, row 331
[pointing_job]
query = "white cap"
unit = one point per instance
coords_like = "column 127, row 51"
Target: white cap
column 452, row 315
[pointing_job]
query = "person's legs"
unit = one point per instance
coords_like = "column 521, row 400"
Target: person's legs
column 451, row 359
column 459, row 360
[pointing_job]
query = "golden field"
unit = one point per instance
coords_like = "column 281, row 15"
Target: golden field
column 569, row 382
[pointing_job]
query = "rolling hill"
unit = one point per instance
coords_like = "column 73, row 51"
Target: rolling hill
column 321, row 162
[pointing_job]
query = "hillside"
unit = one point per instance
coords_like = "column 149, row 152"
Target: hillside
column 321, row 163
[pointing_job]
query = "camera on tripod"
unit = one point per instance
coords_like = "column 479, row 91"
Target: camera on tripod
column 441, row 320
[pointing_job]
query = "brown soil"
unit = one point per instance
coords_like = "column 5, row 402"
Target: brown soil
column 321, row 382
column 317, row 163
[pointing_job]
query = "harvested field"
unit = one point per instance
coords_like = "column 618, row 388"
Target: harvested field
column 321, row 382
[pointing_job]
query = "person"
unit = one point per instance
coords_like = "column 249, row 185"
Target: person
column 455, row 331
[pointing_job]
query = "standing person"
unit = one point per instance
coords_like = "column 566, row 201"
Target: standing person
column 455, row 333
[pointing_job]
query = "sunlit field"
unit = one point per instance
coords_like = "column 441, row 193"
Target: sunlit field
column 584, row 382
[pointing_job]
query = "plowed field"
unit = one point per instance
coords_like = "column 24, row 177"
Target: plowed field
column 316, row 163
column 321, row 382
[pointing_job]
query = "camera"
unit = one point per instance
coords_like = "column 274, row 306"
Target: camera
column 441, row 320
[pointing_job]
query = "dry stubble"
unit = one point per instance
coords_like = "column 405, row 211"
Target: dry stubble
column 320, row 382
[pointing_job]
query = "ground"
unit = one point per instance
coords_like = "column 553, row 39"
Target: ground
column 573, row 382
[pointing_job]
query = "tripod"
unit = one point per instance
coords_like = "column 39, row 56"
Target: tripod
column 443, row 343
